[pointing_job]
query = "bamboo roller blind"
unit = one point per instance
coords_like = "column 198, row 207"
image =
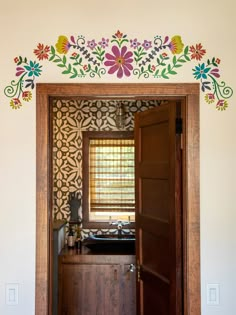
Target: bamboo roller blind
column 111, row 175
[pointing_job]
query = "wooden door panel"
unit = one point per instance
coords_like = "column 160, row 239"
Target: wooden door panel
column 158, row 214
column 155, row 295
column 154, row 137
column 161, row 265
column 154, row 198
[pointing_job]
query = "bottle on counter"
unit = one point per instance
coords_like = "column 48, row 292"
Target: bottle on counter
column 78, row 238
column 71, row 238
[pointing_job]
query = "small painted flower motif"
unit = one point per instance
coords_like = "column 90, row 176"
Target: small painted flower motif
column 74, row 54
column 147, row 44
column 120, row 61
column 164, row 55
column 16, row 59
column 210, row 98
column 104, row 42
column 20, row 71
column 218, row 61
column 221, row 105
column 200, row 72
column 91, row 44
column 176, row 45
column 197, row 52
column 15, row 103
column 215, row 72
column 118, row 34
column 134, row 43
column 85, row 67
column 33, row 69
column 27, row 96
column 63, row 45
column 42, row 51
column 153, row 68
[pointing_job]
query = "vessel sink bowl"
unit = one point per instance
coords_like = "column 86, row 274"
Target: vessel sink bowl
column 112, row 243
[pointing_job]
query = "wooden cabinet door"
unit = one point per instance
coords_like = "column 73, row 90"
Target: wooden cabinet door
column 89, row 289
column 159, row 210
column 128, row 291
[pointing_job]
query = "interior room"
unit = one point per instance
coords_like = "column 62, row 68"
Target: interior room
column 182, row 52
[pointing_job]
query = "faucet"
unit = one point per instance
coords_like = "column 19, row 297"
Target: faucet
column 120, row 225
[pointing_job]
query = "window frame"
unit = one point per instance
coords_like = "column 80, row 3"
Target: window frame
column 86, row 137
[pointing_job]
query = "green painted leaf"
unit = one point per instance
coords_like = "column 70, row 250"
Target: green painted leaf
column 186, row 50
column 165, row 76
column 187, row 58
column 64, row 59
column 66, row 72
column 53, row 50
column 181, row 60
column 174, row 60
column 172, row 72
column 57, row 60
column 139, row 48
column 169, row 68
column 73, row 76
column 61, row 65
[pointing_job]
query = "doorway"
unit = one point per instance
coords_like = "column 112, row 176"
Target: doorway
column 189, row 93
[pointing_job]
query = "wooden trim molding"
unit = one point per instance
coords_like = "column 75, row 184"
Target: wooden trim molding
column 191, row 199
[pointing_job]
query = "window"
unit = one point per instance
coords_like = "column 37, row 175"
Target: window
column 108, row 177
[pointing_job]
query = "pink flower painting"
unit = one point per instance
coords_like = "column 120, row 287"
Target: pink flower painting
column 120, row 61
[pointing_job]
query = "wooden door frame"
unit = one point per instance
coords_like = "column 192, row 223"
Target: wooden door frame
column 189, row 92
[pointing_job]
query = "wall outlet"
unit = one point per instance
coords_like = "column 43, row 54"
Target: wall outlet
column 12, row 293
column 213, row 294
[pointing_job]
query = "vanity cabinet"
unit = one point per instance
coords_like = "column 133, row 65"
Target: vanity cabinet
column 96, row 284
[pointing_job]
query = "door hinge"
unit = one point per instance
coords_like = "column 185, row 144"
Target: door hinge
column 178, row 126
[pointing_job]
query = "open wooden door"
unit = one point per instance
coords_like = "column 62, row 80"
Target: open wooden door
column 159, row 210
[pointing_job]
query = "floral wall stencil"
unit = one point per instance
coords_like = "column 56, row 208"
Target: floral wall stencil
column 120, row 56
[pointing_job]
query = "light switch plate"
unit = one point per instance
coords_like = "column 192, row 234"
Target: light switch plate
column 12, row 293
column 213, row 294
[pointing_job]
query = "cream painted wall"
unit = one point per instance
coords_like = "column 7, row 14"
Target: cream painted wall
column 26, row 23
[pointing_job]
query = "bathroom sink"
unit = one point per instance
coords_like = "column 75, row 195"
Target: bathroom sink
column 110, row 242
